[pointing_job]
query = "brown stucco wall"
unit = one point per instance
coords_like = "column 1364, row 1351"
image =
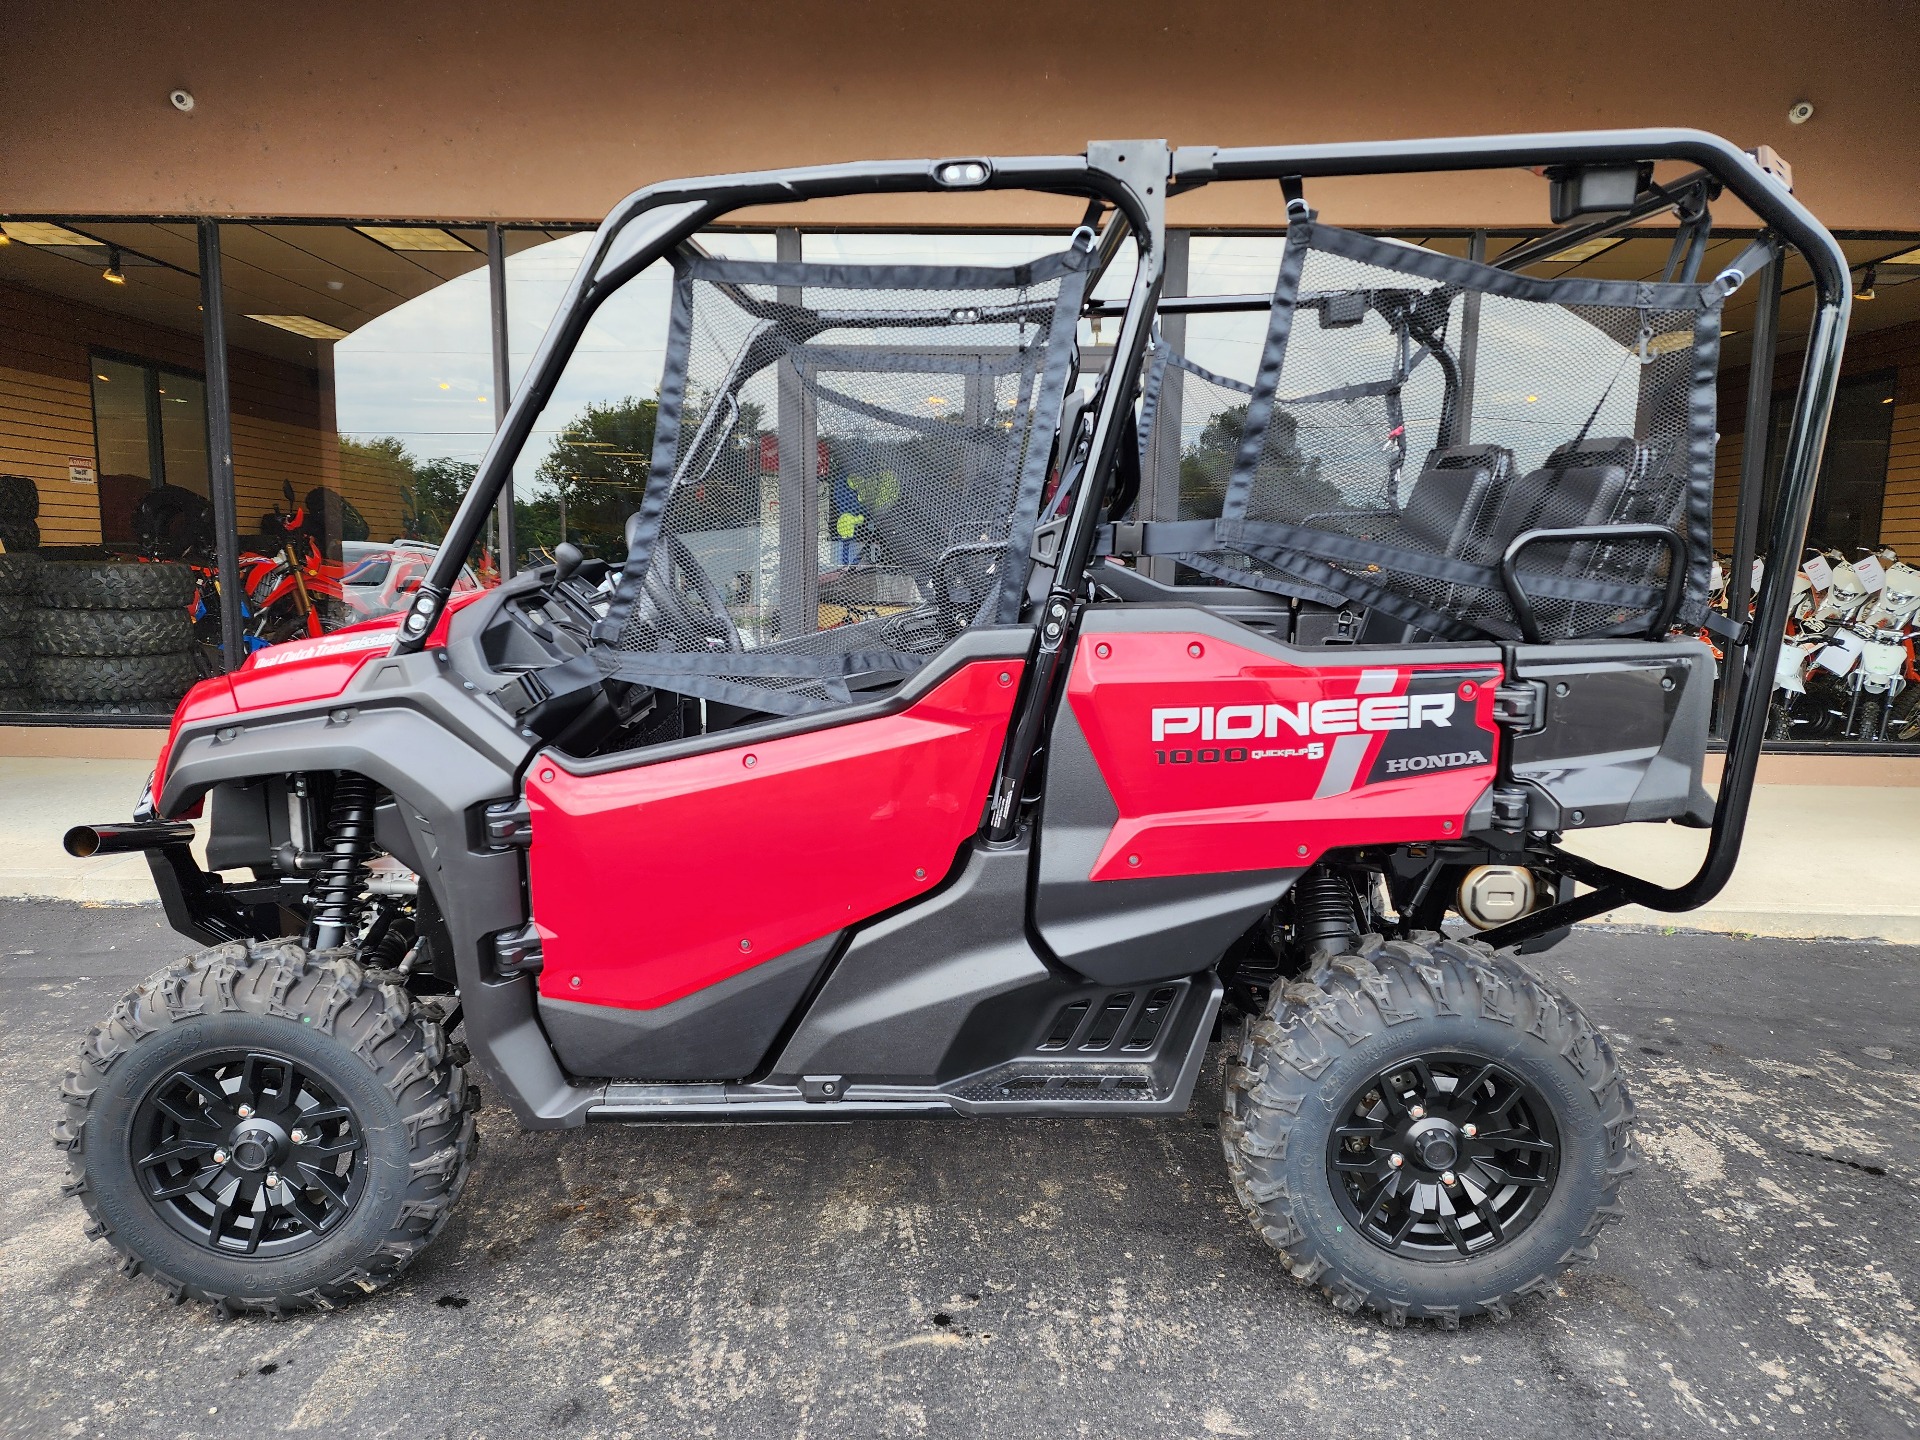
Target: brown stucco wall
column 475, row 110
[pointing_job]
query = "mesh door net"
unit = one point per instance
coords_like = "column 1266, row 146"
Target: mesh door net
column 846, row 472
column 1413, row 414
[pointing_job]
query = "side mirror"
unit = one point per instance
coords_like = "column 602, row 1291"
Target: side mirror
column 286, row 489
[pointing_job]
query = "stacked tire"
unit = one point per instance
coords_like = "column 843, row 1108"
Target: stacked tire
column 112, row 637
column 19, row 580
column 19, row 514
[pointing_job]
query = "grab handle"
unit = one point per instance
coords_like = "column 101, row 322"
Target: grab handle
column 1523, row 614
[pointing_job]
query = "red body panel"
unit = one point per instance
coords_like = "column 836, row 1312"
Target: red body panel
column 310, row 668
column 1340, row 765
column 654, row 882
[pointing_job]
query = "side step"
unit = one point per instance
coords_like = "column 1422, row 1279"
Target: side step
column 1131, row 1051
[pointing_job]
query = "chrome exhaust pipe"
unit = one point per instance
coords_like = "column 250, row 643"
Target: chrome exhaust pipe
column 83, row 841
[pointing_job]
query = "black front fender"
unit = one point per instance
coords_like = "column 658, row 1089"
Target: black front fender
column 410, row 726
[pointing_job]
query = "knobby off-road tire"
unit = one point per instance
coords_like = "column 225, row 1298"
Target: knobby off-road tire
column 16, row 663
column 20, row 571
column 15, row 610
column 19, row 499
column 356, row 1047
column 111, row 632
column 115, row 585
column 1305, row 1068
column 113, row 679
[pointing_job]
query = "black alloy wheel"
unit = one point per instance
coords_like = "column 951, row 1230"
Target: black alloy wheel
column 246, row 1154
column 1443, row 1156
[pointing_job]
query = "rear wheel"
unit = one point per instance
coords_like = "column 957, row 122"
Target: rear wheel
column 1426, row 1129
column 266, row 1131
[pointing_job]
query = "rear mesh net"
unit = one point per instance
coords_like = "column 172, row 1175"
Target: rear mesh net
column 1414, row 413
column 846, row 473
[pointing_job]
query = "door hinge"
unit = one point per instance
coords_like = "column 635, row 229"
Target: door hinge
column 509, row 825
column 1520, row 706
column 517, row 952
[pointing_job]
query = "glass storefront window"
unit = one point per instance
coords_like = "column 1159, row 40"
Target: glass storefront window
column 150, row 434
column 361, row 370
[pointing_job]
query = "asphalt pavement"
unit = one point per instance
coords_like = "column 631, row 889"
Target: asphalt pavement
column 1033, row 1277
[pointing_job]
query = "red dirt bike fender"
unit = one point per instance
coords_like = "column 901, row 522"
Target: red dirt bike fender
column 655, row 881
column 1221, row 758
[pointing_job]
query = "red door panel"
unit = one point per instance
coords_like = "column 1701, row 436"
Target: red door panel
column 652, row 883
column 1221, row 758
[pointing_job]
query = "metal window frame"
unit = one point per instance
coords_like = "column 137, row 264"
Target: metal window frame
column 1136, row 179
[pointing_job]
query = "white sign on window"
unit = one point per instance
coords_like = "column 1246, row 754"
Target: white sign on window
column 1818, row 571
column 1871, row 573
column 80, row 470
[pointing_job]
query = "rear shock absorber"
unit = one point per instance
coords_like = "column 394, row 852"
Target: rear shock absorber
column 1323, row 914
column 349, row 843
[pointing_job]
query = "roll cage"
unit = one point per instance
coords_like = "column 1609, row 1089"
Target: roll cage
column 1126, row 184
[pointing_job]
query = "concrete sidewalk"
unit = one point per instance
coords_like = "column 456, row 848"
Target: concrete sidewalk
column 1818, row 859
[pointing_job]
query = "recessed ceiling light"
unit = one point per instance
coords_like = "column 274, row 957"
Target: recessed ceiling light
column 38, row 232
column 410, row 237
column 1585, row 250
column 302, row 325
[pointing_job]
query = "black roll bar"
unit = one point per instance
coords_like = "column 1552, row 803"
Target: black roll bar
column 1741, row 174
column 619, row 252
column 1136, row 177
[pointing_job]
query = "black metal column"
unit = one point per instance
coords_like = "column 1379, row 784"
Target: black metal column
column 497, row 308
column 799, row 487
column 1469, row 348
column 1162, row 501
column 226, row 518
column 1753, row 478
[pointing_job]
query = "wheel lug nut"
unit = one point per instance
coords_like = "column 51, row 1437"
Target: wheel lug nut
column 1469, row 1130
column 1447, row 1178
column 1418, row 1112
column 219, row 1157
column 273, row 1179
column 246, row 1112
column 1396, row 1160
column 299, row 1137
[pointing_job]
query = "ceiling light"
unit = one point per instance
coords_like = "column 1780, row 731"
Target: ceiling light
column 98, row 376
column 1864, row 290
column 113, row 274
column 1585, row 250
column 1905, row 257
column 38, row 232
column 411, row 237
column 302, row 325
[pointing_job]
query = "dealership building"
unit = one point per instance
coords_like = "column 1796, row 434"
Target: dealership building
column 268, row 269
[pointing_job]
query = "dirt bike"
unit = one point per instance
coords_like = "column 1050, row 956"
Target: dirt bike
column 1027, row 837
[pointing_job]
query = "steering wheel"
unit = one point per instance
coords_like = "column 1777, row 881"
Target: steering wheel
column 689, row 603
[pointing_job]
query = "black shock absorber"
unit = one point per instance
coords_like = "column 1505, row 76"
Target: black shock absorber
column 1323, row 913
column 349, row 843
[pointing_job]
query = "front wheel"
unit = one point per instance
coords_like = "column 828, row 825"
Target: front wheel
column 266, row 1130
column 1427, row 1129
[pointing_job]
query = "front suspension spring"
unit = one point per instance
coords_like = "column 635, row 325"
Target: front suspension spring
column 349, row 844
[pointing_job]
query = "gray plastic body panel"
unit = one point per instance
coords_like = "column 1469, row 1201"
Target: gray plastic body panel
column 409, row 724
column 900, row 1002
column 1623, row 733
column 1124, row 932
column 720, row 1033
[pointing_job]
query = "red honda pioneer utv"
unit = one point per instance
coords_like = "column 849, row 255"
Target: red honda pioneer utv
column 979, row 722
